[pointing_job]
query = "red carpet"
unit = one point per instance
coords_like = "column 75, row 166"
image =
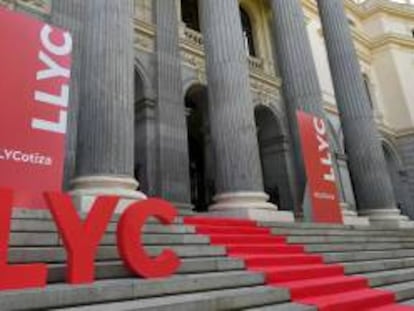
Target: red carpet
column 309, row 279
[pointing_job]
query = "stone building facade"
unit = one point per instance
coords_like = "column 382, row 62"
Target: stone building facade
column 202, row 114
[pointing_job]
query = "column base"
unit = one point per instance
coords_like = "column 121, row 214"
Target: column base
column 86, row 189
column 388, row 218
column 248, row 205
column 184, row 209
column 351, row 218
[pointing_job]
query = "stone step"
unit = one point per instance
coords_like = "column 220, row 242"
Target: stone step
column 346, row 239
column 284, row 307
column 408, row 302
column 355, row 247
column 27, row 214
column 117, row 269
column 157, row 234
column 340, row 232
column 282, row 260
column 259, row 249
column 231, row 230
column 21, row 213
column 368, row 255
column 299, row 272
column 306, row 225
column 233, row 299
column 378, row 265
column 57, row 254
column 47, row 225
column 323, row 286
column 207, row 279
column 35, row 226
column 359, row 299
column 403, row 291
column 203, row 220
column 53, row 239
column 245, row 239
column 377, row 279
column 63, row 295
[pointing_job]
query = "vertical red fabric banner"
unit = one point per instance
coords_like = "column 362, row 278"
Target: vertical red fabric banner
column 319, row 169
column 35, row 60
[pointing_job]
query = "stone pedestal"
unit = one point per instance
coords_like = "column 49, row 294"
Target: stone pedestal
column 87, row 189
column 251, row 205
column 350, row 217
column 387, row 218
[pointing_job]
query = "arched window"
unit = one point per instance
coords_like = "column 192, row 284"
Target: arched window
column 247, row 33
column 189, row 12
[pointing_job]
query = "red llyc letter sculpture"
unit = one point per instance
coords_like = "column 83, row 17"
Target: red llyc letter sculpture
column 81, row 239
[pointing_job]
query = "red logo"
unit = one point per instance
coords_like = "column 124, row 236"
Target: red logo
column 35, row 61
column 319, row 169
column 81, row 240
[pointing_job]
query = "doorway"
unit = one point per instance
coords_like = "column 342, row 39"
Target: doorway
column 396, row 172
column 273, row 149
column 200, row 156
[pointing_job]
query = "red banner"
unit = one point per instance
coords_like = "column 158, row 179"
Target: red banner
column 35, row 61
column 319, row 169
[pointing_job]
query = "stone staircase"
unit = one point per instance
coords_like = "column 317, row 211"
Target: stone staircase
column 209, row 279
column 385, row 257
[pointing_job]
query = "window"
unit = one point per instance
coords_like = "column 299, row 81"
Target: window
column 247, row 33
column 189, row 12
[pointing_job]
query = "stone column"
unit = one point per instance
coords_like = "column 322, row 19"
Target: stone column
column 68, row 14
column 105, row 149
column 173, row 178
column 371, row 181
column 301, row 87
column 239, row 184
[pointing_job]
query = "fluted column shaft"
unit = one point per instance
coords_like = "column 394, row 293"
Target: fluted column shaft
column 230, row 102
column 372, row 183
column 301, row 87
column 173, row 170
column 106, row 116
column 69, row 15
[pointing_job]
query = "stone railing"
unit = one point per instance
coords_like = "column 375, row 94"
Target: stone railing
column 195, row 40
